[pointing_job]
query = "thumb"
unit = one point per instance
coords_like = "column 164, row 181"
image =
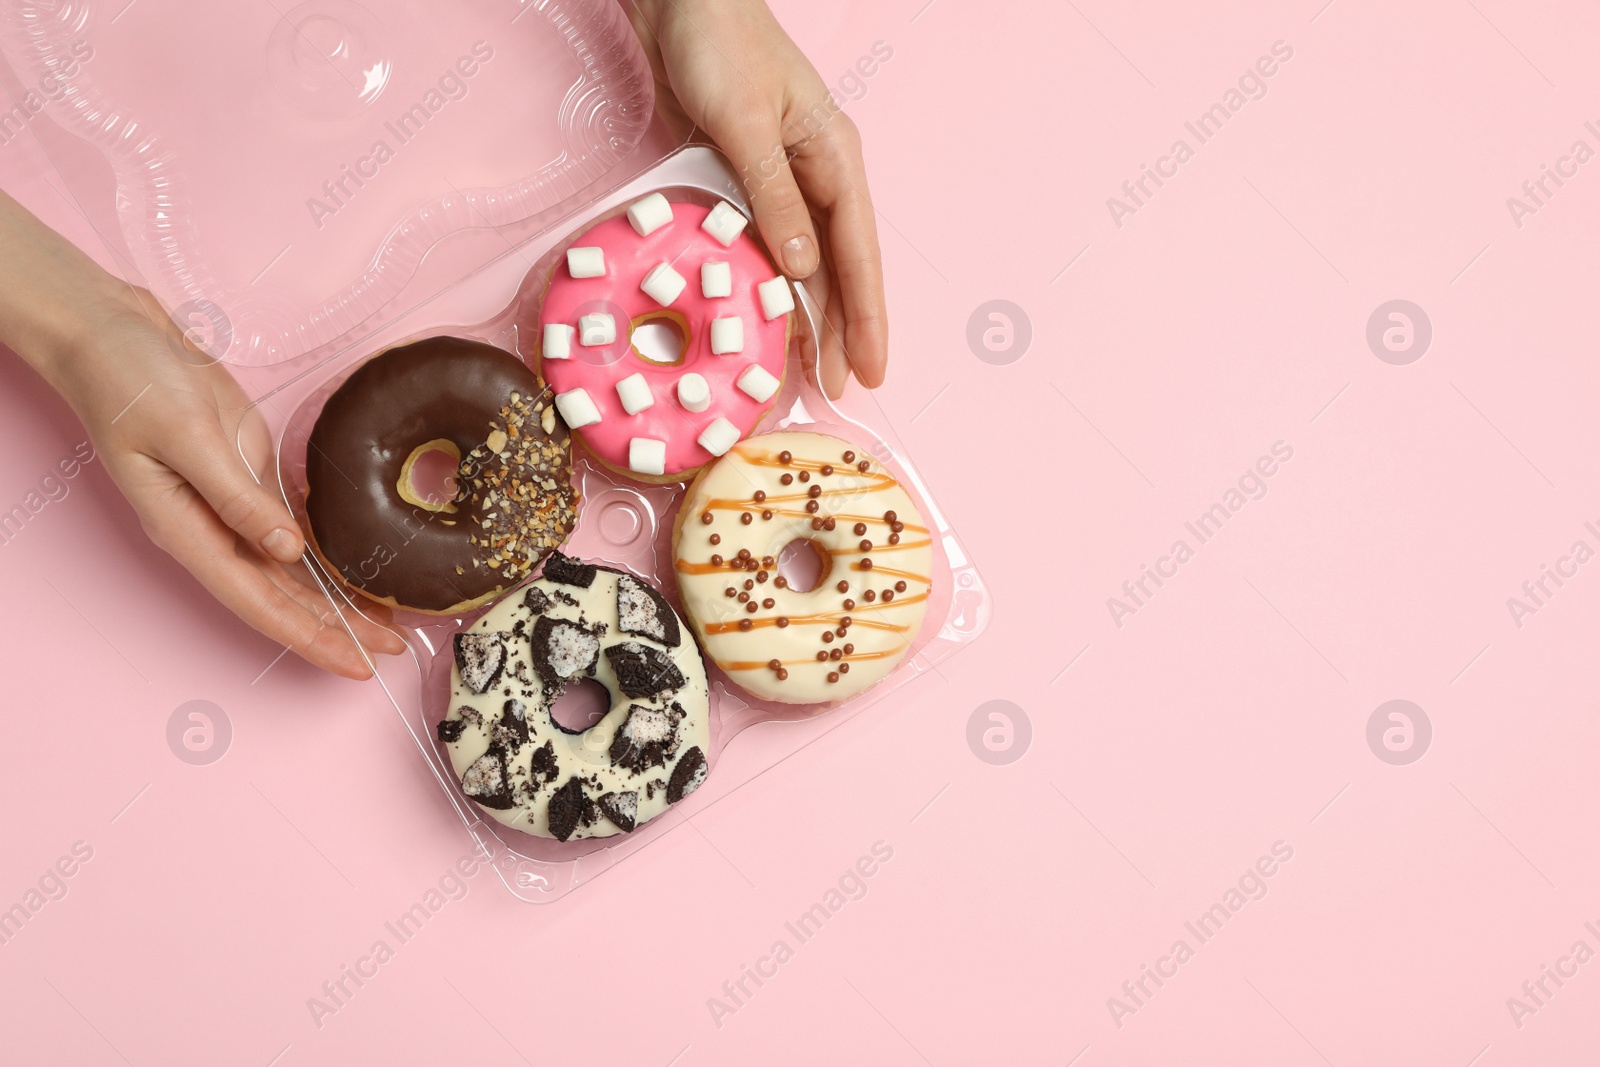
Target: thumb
column 218, row 473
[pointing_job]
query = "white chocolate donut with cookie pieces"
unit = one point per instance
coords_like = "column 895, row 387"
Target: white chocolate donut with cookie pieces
column 525, row 769
column 849, row 631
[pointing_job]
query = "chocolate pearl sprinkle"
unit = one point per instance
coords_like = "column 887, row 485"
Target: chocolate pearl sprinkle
column 827, row 524
column 774, row 663
column 814, row 492
column 766, row 513
column 748, row 584
column 833, row 676
column 751, row 565
column 843, row 586
column 863, row 466
column 716, row 539
column 827, row 637
column 767, row 562
column 860, row 528
column 705, row 517
column 746, row 624
column 849, row 457
column 761, row 576
column 752, row 606
column 822, row 657
column 744, row 553
column 785, row 456
column 746, row 518
column 849, row 605
column 844, row 668
column 888, row 595
column 869, row 596
column 768, row 603
column 783, row 621
column 866, row 564
column 836, row 655
column 846, row 621
column 781, row 582
column 805, row 476
column 827, row 468
column 743, row 597
column 783, row 674
column 730, row 591
column 849, row 649
column 816, row 524
column 761, row 495
column 866, row 546
column 899, row 587
column 716, row 561
column 894, row 539
column 812, row 506
column 889, row 516
column 787, row 479
column 897, row 527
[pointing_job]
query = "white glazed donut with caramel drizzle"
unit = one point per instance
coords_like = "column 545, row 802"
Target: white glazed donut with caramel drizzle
column 849, row 631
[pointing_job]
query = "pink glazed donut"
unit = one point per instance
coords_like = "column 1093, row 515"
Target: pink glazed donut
column 680, row 264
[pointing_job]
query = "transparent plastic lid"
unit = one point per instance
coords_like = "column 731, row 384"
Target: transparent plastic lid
column 283, row 172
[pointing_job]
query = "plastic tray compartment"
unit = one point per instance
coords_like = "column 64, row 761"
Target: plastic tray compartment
column 628, row 524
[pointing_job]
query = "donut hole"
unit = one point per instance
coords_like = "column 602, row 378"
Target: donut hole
column 804, row 564
column 581, row 706
column 661, row 338
column 428, row 477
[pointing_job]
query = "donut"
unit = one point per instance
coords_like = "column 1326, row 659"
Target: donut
column 515, row 501
column 695, row 269
column 522, row 767
column 850, row 630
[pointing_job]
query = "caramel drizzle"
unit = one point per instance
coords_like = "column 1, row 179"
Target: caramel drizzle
column 684, row 566
column 729, row 504
column 766, row 664
column 824, row 618
column 875, row 569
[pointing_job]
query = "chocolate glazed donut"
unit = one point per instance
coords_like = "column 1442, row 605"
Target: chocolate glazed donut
column 514, row 500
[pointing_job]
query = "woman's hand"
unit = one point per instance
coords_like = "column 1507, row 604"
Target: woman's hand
column 165, row 419
column 727, row 67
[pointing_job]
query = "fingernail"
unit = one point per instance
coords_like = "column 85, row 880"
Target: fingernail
column 799, row 257
column 282, row 545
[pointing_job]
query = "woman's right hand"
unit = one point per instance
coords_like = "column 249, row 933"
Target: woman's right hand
column 166, row 420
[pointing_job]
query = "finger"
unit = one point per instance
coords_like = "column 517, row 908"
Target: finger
column 212, row 465
column 833, row 174
column 833, row 369
column 370, row 623
column 184, row 526
column 754, row 144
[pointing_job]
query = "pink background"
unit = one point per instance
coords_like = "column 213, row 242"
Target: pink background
column 1167, row 755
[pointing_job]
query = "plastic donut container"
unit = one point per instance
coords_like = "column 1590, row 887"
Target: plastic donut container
column 375, row 199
